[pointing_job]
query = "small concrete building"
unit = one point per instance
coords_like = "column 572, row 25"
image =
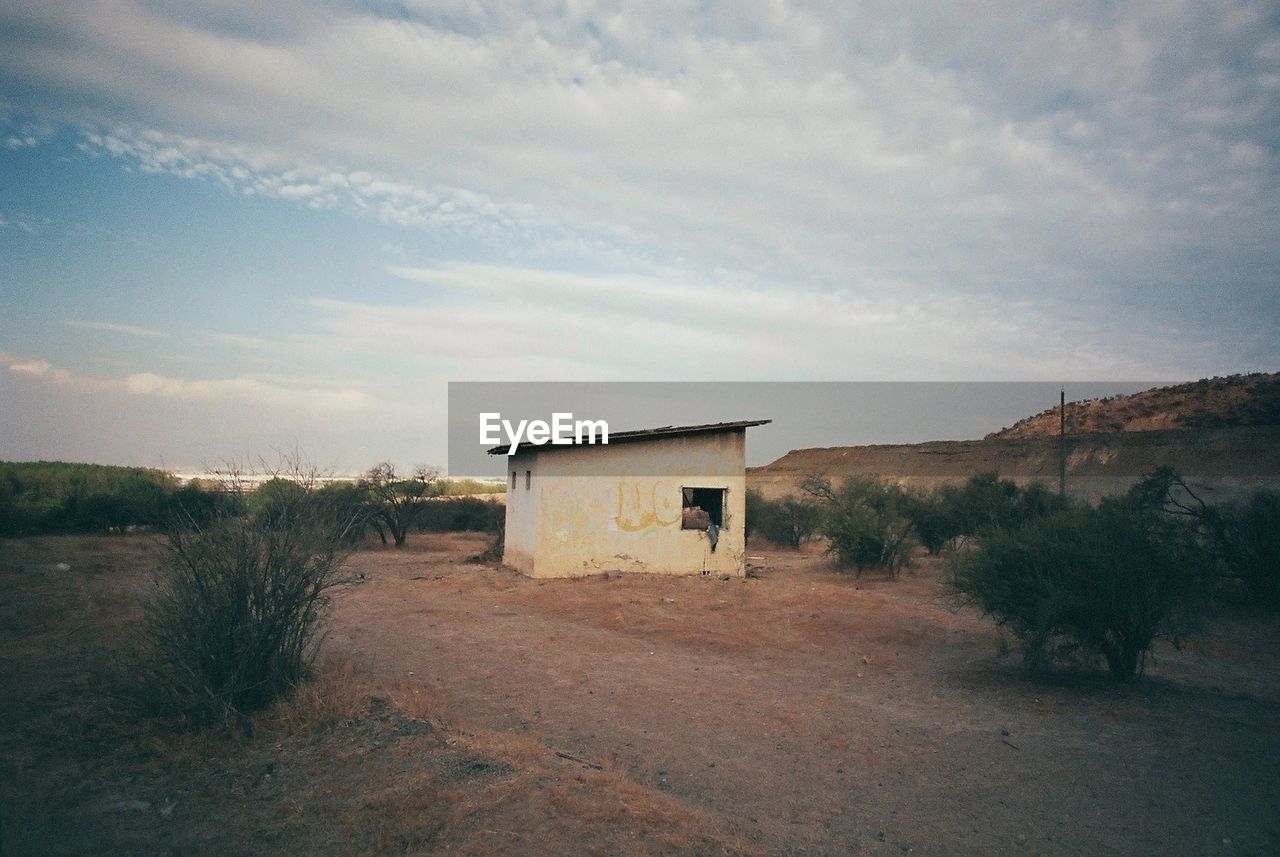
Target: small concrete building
column 669, row 500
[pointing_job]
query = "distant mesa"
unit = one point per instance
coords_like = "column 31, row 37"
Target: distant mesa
column 1223, row 434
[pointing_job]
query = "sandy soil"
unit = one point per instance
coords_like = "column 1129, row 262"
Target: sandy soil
column 800, row 711
column 835, row 715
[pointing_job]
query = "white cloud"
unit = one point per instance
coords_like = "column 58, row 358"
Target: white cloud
column 245, row 391
column 233, row 392
column 42, row 369
column 486, row 322
column 1101, row 165
column 247, row 343
column 319, row 187
column 112, row 327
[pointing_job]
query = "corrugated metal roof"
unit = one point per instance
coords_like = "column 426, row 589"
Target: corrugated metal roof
column 644, row 434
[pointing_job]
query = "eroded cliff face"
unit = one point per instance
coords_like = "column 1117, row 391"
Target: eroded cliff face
column 1227, row 463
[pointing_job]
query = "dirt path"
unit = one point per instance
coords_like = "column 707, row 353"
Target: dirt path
column 823, row 715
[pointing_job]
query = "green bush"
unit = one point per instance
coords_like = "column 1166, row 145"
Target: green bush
column 273, row 501
column 346, row 504
column 865, row 523
column 460, row 515
column 1037, row 500
column 1089, row 582
column 982, row 504
column 1241, row 538
column 934, row 521
column 1247, row 539
column 58, row 497
column 196, row 505
column 754, row 503
column 790, row 521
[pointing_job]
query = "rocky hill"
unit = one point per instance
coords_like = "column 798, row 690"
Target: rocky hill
column 1236, row 400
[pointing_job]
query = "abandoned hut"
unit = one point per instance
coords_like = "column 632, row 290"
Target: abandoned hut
column 668, row 500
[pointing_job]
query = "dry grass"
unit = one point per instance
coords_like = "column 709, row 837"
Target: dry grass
column 346, row 764
column 338, row 692
column 462, row 708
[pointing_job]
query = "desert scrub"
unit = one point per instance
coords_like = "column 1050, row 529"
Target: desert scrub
column 864, row 522
column 1249, row 539
column 789, row 521
column 1088, row 582
column 496, row 548
column 985, row 502
column 1240, row 539
column 237, row 610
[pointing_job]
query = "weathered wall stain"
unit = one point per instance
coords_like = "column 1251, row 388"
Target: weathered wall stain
column 640, row 507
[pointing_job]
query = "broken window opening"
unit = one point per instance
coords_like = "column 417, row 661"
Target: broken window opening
column 702, row 507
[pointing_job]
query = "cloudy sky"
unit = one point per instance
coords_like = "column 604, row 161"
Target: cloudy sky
column 225, row 227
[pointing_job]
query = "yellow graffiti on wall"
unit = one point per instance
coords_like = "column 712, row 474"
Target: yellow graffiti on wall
column 640, row 508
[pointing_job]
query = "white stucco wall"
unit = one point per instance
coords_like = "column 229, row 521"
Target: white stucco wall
column 587, row 511
column 522, row 504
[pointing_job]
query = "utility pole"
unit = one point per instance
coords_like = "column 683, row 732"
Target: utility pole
column 1062, row 443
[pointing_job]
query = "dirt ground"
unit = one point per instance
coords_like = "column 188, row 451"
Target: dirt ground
column 466, row 709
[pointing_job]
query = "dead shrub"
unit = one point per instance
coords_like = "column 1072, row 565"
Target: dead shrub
column 493, row 553
column 235, row 617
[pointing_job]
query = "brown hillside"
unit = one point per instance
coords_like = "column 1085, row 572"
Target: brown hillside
column 1236, row 400
column 1226, row 463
